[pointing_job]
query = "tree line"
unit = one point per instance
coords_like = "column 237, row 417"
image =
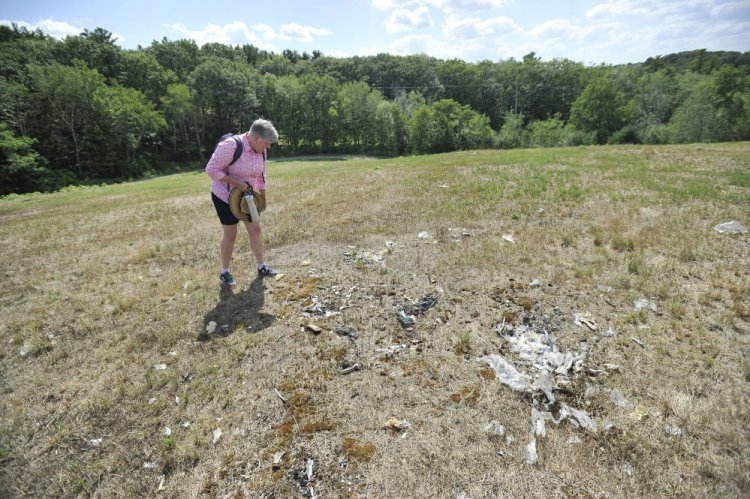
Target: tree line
column 84, row 110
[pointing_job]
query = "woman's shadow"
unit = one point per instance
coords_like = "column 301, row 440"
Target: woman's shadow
column 237, row 310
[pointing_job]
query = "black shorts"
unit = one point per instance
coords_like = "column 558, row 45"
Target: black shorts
column 222, row 209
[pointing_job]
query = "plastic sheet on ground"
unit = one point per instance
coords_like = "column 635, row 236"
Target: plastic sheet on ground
column 507, row 373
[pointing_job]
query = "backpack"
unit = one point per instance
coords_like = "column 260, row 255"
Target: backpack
column 237, row 148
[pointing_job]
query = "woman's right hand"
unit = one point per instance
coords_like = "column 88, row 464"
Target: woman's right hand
column 243, row 186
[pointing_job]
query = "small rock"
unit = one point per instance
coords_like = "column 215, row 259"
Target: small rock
column 732, row 227
column 535, row 283
column 211, row 327
column 160, row 367
column 424, row 235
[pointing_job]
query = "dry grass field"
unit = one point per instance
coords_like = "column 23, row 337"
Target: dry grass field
column 365, row 371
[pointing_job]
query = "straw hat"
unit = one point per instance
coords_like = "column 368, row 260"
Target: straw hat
column 238, row 203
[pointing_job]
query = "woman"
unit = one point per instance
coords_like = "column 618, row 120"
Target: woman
column 249, row 170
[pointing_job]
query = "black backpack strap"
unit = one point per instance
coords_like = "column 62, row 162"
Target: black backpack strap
column 237, row 150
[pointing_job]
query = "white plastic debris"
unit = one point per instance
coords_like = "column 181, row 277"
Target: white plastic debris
column 507, row 373
column 574, row 439
column 160, row 367
column 644, row 304
column 627, row 469
column 602, row 288
column 619, row 399
column 162, row 483
column 537, row 422
column 673, row 431
column 577, row 416
column 495, row 428
column 216, row 435
column 93, row 443
column 151, row 400
column 149, row 465
column 732, row 227
column 173, row 353
column 536, row 283
column 585, row 319
column 424, row 235
column 509, row 238
column 531, row 455
column 168, row 431
column 211, row 327
column 186, row 424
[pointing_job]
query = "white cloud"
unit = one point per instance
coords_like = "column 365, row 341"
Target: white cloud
column 236, row 33
column 301, row 33
column 452, row 6
column 732, row 9
column 468, row 28
column 266, row 32
column 55, row 29
column 404, row 20
column 423, row 44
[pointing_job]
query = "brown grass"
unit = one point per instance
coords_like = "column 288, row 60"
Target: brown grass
column 113, row 282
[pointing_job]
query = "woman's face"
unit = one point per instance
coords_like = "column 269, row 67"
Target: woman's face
column 259, row 145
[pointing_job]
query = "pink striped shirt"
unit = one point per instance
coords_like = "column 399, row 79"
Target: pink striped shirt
column 250, row 167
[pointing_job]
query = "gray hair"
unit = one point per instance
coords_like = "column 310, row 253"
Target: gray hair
column 264, row 130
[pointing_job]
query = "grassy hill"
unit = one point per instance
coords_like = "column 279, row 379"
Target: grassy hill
column 127, row 371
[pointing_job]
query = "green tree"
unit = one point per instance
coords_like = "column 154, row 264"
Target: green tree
column 182, row 121
column 143, row 72
column 22, row 169
column 181, row 56
column 512, row 134
column 224, row 91
column 66, row 112
column 699, row 117
column 96, row 48
column 600, row 109
column 356, row 111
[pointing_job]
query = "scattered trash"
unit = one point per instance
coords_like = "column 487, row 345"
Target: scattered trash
column 573, row 440
column 509, row 238
column 391, row 350
column 317, row 308
column 637, row 342
column 149, row 466
column 173, row 353
column 167, row 431
column 216, row 435
column 186, row 424
column 162, row 483
column 406, row 321
column 607, row 425
column 577, row 417
column 424, row 304
column 187, row 376
column 531, row 455
column 732, row 227
column 277, row 459
column 608, row 333
column 211, row 327
column 306, row 263
column 507, row 373
column 627, row 469
column 644, row 304
column 424, row 235
column 396, row 424
column 160, row 367
column 536, row 283
column 92, row 444
column 495, row 428
column 313, row 328
column 350, row 369
column 674, row 431
column 346, row 331
column 603, row 288
column 585, row 320
column 151, row 400
column 639, row 413
column 619, row 399
column 281, row 397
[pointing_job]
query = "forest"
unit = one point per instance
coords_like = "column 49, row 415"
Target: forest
column 83, row 110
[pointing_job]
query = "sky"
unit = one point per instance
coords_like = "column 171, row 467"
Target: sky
column 587, row 31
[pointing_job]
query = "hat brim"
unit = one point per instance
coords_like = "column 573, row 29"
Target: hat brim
column 235, row 204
